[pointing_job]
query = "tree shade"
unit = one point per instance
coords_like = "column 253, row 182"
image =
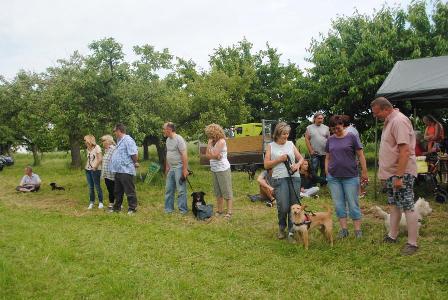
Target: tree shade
column 421, row 81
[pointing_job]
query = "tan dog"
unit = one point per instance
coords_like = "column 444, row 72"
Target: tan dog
column 303, row 222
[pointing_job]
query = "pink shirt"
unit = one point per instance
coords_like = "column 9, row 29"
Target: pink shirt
column 397, row 130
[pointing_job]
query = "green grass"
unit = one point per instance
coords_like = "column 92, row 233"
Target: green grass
column 52, row 247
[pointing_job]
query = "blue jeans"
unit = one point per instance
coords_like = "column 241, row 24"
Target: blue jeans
column 318, row 162
column 94, row 182
column 285, row 198
column 171, row 185
column 344, row 192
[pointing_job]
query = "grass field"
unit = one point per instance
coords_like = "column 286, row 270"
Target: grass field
column 52, row 247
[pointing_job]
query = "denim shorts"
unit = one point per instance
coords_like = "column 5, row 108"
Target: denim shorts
column 404, row 197
column 344, row 193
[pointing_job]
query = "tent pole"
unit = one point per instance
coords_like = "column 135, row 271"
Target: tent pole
column 415, row 118
column 375, row 188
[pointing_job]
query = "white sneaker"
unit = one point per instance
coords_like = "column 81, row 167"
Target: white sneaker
column 90, row 206
column 100, row 205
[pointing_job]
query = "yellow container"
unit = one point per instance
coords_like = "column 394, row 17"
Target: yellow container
column 422, row 166
column 249, row 129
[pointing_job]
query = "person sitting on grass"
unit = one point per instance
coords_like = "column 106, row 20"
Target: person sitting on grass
column 266, row 190
column 30, row 182
column 308, row 181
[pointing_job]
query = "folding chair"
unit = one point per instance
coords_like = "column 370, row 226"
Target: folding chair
column 153, row 169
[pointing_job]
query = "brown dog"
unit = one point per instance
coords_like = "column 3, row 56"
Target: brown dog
column 304, row 222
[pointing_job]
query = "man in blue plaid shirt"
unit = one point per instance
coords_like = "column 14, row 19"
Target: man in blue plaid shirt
column 123, row 163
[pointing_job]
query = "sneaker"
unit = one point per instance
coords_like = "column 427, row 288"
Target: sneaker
column 358, row 234
column 90, row 206
column 409, row 249
column 343, row 233
column 281, row 234
column 111, row 205
column 131, row 212
column 100, row 205
column 268, row 203
column 111, row 210
column 387, row 239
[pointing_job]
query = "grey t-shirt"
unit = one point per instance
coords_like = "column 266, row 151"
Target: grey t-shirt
column 318, row 137
column 173, row 148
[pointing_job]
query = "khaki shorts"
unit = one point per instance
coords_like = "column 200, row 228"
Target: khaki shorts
column 222, row 184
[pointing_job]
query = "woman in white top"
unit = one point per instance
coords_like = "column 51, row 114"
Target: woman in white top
column 220, row 167
column 93, row 170
column 277, row 154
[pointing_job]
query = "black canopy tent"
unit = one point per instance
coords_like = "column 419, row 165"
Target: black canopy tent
column 423, row 82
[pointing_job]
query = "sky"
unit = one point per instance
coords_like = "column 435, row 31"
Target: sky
column 34, row 34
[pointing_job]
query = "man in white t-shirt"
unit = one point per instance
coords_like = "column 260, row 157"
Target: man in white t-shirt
column 30, row 182
column 176, row 169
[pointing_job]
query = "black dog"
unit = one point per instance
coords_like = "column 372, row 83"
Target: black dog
column 251, row 169
column 54, row 186
column 198, row 199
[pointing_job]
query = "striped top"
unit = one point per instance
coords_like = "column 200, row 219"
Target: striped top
column 219, row 165
column 105, row 171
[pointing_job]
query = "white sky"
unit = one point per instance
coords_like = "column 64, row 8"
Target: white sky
column 35, row 33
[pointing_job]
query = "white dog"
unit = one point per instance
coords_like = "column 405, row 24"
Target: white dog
column 421, row 207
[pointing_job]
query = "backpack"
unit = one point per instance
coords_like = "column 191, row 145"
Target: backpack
column 204, row 212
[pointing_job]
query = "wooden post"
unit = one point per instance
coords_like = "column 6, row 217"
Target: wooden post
column 375, row 188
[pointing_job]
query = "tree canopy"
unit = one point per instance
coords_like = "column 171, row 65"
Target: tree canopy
column 89, row 93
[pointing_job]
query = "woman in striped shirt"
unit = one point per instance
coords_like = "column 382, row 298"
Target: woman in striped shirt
column 109, row 177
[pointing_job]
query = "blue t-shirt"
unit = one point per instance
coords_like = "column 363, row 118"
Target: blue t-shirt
column 343, row 155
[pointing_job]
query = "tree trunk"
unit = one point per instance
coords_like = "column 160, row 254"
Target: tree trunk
column 75, row 151
column 161, row 149
column 35, row 155
column 145, row 148
column 161, row 152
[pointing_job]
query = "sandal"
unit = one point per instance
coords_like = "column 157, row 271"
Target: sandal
column 228, row 216
column 219, row 214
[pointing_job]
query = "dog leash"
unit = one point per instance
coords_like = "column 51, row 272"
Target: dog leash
column 183, row 179
column 288, row 164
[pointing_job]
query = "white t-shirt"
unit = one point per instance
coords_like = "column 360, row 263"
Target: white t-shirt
column 33, row 179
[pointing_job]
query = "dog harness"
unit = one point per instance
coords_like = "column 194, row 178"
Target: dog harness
column 306, row 222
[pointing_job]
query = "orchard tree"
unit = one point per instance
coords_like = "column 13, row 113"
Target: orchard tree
column 30, row 119
column 83, row 93
column 353, row 60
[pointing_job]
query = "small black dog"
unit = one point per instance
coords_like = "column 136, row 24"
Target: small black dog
column 251, row 169
column 198, row 199
column 54, row 186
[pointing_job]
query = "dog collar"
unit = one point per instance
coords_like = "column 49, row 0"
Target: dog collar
column 306, row 222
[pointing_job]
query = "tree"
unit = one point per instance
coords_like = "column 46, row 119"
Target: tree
column 352, row 61
column 83, row 93
column 28, row 119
